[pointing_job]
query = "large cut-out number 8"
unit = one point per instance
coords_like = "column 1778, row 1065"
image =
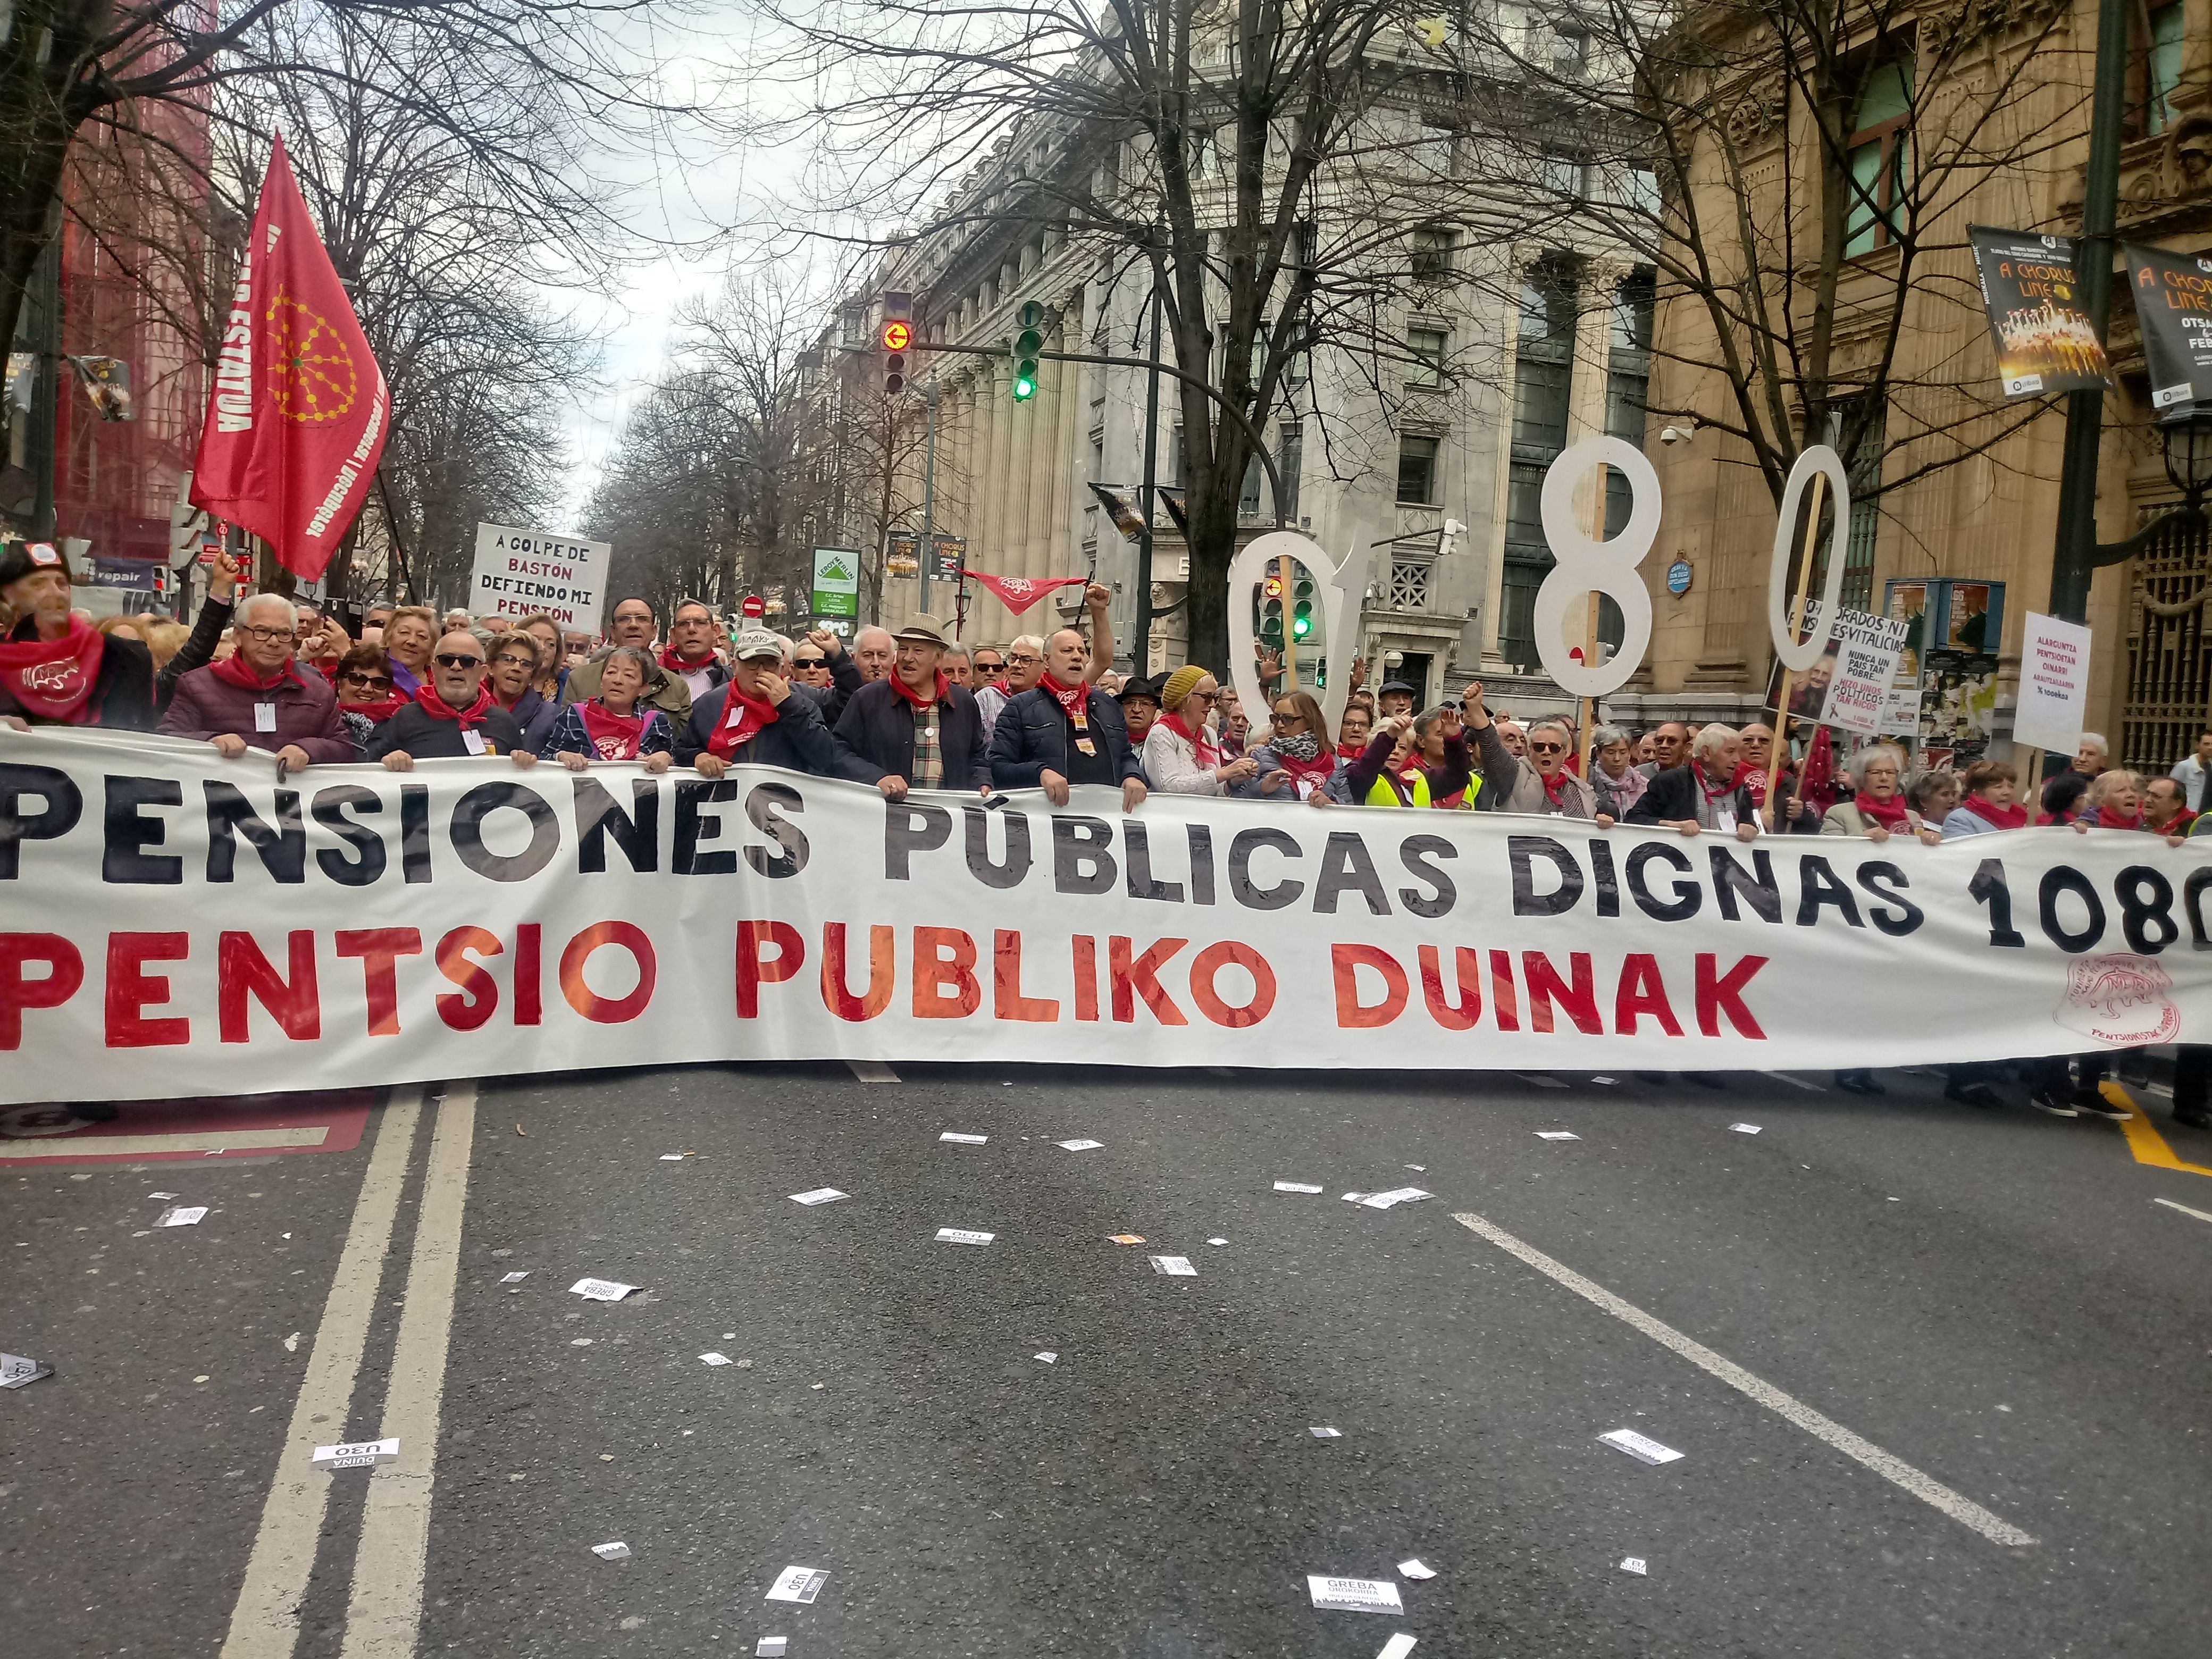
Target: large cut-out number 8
column 1581, row 565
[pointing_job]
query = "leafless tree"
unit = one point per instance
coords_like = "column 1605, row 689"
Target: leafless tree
column 1262, row 168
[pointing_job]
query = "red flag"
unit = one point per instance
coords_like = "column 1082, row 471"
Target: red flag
column 1019, row 593
column 297, row 421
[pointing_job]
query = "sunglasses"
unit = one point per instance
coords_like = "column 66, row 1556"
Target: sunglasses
column 810, row 662
column 1546, row 748
column 452, row 659
column 375, row 681
column 987, row 667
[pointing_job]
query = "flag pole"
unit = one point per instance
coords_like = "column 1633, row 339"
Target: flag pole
column 392, row 529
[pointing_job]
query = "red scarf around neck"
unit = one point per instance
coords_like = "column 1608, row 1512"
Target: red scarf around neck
column 53, row 679
column 936, row 692
column 1201, row 746
column 1318, row 770
column 675, row 664
column 438, row 708
column 233, row 670
column 743, row 719
column 1350, row 751
column 1555, row 786
column 377, row 712
column 1713, row 791
column 1074, row 700
column 616, row 737
column 2107, row 821
column 1890, row 814
column 1997, row 818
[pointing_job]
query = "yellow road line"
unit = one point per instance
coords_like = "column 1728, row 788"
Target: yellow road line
column 2150, row 1146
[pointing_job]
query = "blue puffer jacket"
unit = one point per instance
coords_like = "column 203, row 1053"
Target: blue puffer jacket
column 1032, row 736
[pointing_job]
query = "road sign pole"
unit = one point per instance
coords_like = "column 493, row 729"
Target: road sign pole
column 929, row 496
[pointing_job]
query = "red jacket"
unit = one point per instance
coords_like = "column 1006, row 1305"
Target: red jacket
column 306, row 714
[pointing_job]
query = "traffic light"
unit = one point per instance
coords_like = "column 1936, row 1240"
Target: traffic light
column 1302, row 608
column 1027, row 345
column 897, row 337
column 1270, row 613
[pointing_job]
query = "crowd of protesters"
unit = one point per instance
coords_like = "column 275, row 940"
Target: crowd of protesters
column 915, row 709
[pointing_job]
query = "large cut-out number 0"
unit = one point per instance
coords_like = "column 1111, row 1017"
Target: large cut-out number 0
column 1797, row 656
column 1581, row 565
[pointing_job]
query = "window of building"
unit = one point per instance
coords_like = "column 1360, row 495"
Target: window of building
column 1865, row 473
column 1433, row 253
column 1175, row 457
column 1432, row 148
column 1202, row 160
column 1425, row 352
column 1881, row 152
column 1417, row 471
column 2154, row 68
column 1290, row 457
column 1627, row 381
column 1570, row 52
column 1561, row 174
column 1543, row 371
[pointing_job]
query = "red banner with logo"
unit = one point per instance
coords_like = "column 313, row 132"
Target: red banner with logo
column 1019, row 593
column 296, row 422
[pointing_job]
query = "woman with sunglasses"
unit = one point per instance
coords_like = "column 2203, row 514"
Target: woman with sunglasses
column 517, row 660
column 1297, row 762
column 1541, row 782
column 1182, row 755
column 613, row 725
column 367, row 697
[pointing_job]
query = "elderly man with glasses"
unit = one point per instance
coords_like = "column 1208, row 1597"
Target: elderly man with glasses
column 826, row 672
column 1025, row 667
column 632, row 624
column 452, row 716
column 260, row 697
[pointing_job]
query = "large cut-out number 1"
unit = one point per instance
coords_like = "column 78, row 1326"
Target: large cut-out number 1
column 1584, row 565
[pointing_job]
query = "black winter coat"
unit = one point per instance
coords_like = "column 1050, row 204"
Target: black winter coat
column 797, row 739
column 1032, row 736
column 877, row 726
column 1673, row 798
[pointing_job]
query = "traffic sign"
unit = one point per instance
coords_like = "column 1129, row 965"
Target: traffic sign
column 753, row 608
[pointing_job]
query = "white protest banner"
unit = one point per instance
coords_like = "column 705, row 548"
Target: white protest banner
column 1859, row 666
column 519, row 573
column 2054, row 683
column 174, row 923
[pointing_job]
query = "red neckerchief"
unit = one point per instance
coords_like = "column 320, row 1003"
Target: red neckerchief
column 1889, row 814
column 377, row 712
column 1000, row 686
column 1350, row 751
column 743, row 719
column 936, row 692
column 1754, row 778
column 1997, row 818
column 1712, row 792
column 1203, row 748
column 1319, row 770
column 2105, row 822
column 675, row 664
column 616, row 737
column 233, row 670
column 53, row 679
column 1555, row 786
column 438, row 709
column 1073, row 700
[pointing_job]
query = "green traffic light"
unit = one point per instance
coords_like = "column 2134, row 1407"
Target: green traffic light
column 1025, row 385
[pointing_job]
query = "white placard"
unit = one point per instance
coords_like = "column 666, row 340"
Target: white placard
column 519, row 572
column 1900, row 712
column 1867, row 650
column 181, row 1217
column 1354, row 1595
column 356, row 1454
column 819, row 1195
column 1640, row 1447
column 600, row 1290
column 2054, row 684
column 800, row 1584
column 963, row 1235
column 1175, row 1266
column 964, row 1140
column 1295, row 1186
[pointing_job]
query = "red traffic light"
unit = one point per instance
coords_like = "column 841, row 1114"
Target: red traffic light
column 897, row 335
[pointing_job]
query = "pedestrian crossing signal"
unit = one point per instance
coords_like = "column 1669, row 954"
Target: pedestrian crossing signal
column 1029, row 344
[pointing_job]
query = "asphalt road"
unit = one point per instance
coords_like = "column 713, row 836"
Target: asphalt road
column 1993, row 1304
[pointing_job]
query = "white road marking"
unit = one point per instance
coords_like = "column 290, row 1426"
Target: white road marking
column 872, row 1070
column 1895, row 1470
column 264, row 1623
column 385, row 1615
column 1784, row 1077
column 233, row 1141
column 2200, row 1214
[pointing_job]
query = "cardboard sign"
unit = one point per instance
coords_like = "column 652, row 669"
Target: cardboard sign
column 519, row 572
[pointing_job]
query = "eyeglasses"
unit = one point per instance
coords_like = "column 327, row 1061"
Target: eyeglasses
column 635, row 616
column 268, row 635
column 1024, row 656
column 810, row 662
column 454, row 659
column 1204, row 696
column 1546, row 748
column 1289, row 717
column 506, row 658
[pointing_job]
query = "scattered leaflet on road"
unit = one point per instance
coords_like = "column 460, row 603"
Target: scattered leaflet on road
column 819, row 1195
column 1557, row 1134
column 1079, row 1146
column 614, row 1552
column 1415, row 1569
column 360, row 1454
column 964, row 1140
column 600, row 1290
column 800, row 1584
column 1397, row 1646
column 1396, row 1196
column 1354, row 1595
column 1745, row 1128
column 963, row 1235
column 515, row 1278
column 1325, row 1433
column 1176, row 1266
column 1295, row 1186
column 1640, row 1447
column 1634, row 1563
column 714, row 1358
column 180, row 1216
column 17, row 1372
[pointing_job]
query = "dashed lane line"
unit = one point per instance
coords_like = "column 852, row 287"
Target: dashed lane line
column 1895, row 1470
column 265, row 1622
column 385, row 1613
